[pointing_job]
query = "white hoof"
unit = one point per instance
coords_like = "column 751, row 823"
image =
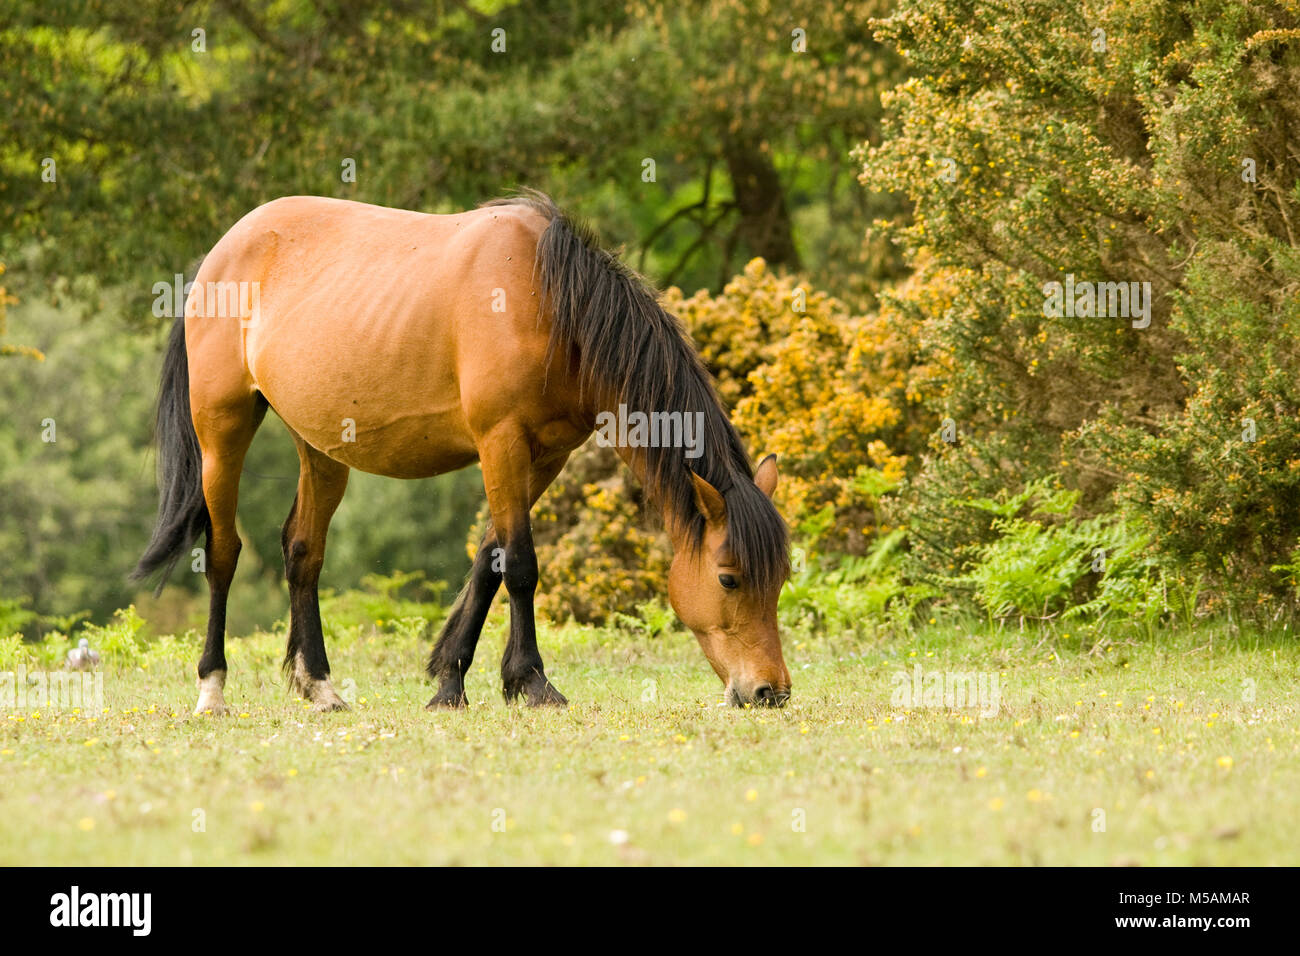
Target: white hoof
column 321, row 693
column 211, row 699
column 324, row 697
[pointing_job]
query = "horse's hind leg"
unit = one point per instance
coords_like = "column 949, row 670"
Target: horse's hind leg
column 321, row 483
column 224, row 436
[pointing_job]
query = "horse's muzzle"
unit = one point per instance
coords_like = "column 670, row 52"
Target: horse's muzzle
column 763, row 695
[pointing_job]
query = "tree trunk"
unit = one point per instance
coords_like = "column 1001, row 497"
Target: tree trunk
column 764, row 219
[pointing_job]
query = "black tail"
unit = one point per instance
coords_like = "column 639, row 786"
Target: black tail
column 182, row 511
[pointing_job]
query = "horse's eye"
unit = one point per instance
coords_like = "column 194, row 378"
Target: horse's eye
column 728, row 582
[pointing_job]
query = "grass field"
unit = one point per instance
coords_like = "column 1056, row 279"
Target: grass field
column 1181, row 750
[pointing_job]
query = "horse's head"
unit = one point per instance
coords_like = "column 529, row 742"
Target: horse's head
column 733, row 615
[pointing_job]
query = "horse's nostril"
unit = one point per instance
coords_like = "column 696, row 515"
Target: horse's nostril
column 765, row 695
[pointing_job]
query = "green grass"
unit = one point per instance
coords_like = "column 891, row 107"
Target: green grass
column 1164, row 737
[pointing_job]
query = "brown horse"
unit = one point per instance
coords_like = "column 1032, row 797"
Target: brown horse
column 410, row 345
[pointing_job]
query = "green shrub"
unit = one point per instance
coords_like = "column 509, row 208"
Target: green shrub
column 15, row 616
column 13, row 651
column 122, row 641
column 1044, row 562
column 1219, row 485
column 402, row 603
column 849, row 594
column 652, row 619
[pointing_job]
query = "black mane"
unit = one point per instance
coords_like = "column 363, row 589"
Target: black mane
column 631, row 351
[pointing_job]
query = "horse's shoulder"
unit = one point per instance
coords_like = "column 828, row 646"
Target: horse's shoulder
column 523, row 216
column 287, row 208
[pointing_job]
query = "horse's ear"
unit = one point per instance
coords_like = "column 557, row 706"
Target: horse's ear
column 709, row 500
column 765, row 477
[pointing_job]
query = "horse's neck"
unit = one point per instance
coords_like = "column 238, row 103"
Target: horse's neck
column 635, row 460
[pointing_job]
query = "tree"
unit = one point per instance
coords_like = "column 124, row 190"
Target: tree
column 139, row 132
column 8, row 349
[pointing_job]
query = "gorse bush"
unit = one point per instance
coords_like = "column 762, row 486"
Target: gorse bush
column 1219, row 485
column 822, row 388
column 1146, row 144
column 600, row 551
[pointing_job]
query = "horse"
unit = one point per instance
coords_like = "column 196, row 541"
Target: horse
column 409, row 345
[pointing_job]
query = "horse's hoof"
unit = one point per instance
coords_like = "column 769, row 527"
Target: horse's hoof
column 547, row 696
column 211, row 699
column 324, row 698
column 445, row 700
column 535, row 689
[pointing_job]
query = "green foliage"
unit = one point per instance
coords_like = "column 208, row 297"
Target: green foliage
column 403, row 606
column 76, row 489
column 8, row 349
column 1290, row 572
column 1030, row 150
column 122, row 640
column 748, row 150
column 1044, row 561
column 15, row 617
column 652, row 619
column 846, row 595
column 400, row 603
column 1219, row 485
column 942, row 532
column 1032, row 569
column 13, row 651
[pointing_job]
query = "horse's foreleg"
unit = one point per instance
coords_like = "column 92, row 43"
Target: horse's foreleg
column 321, row 483
column 513, row 483
column 454, row 651
column 522, row 674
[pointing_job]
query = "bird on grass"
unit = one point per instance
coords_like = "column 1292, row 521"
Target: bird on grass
column 83, row 657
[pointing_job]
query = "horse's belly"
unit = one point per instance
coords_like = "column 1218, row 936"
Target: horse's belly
column 405, row 446
column 422, row 451
column 373, row 408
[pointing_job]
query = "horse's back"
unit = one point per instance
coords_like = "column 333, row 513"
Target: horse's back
column 367, row 321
